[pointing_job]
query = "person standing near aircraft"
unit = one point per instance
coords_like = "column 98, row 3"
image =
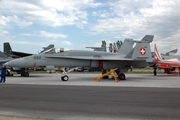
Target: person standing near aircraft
column 3, row 73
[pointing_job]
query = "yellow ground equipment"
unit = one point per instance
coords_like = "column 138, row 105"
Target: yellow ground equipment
column 98, row 78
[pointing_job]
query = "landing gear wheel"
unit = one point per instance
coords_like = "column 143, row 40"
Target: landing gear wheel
column 65, row 78
column 26, row 74
column 121, row 76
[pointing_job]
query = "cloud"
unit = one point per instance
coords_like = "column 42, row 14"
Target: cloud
column 5, row 32
column 168, row 43
column 131, row 18
column 61, row 43
column 18, row 21
column 28, row 42
column 53, row 41
column 26, row 34
column 102, row 14
column 65, row 43
column 51, row 13
column 52, row 35
column 116, row 19
column 3, row 21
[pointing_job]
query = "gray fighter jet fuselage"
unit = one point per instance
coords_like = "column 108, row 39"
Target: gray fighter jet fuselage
column 127, row 57
column 78, row 58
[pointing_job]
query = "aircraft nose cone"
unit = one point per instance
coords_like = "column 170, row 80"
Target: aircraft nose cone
column 15, row 63
column 6, row 64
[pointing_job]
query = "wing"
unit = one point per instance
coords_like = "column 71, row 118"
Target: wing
column 92, row 58
column 21, row 54
column 175, row 64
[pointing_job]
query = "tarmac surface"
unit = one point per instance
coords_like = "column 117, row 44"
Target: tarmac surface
column 140, row 97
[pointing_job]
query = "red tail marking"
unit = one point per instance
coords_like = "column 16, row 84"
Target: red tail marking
column 157, row 56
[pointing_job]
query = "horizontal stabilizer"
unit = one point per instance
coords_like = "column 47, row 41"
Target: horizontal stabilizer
column 142, row 57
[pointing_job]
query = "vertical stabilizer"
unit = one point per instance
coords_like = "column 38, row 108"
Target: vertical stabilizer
column 178, row 51
column 157, row 56
column 126, row 47
column 142, row 49
column 7, row 47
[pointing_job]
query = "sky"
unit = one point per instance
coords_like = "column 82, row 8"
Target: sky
column 29, row 25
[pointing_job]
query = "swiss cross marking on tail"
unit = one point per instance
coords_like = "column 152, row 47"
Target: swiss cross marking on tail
column 142, row 51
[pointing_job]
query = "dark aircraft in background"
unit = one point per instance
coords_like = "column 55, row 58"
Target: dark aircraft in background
column 9, row 52
column 137, row 57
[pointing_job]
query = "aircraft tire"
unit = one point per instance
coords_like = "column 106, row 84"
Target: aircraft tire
column 26, row 74
column 122, row 76
column 65, row 78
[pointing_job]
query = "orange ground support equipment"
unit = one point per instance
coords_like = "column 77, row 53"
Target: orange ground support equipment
column 98, row 78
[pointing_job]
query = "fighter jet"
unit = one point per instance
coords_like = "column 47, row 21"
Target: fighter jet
column 168, row 65
column 138, row 57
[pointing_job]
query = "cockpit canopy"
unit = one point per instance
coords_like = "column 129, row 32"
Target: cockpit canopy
column 60, row 50
column 52, row 50
column 55, row 50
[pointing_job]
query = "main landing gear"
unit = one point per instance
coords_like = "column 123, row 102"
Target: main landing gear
column 24, row 73
column 120, row 76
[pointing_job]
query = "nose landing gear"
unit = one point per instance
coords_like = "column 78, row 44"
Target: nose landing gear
column 65, row 78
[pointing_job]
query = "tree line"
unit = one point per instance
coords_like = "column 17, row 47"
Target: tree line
column 112, row 46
